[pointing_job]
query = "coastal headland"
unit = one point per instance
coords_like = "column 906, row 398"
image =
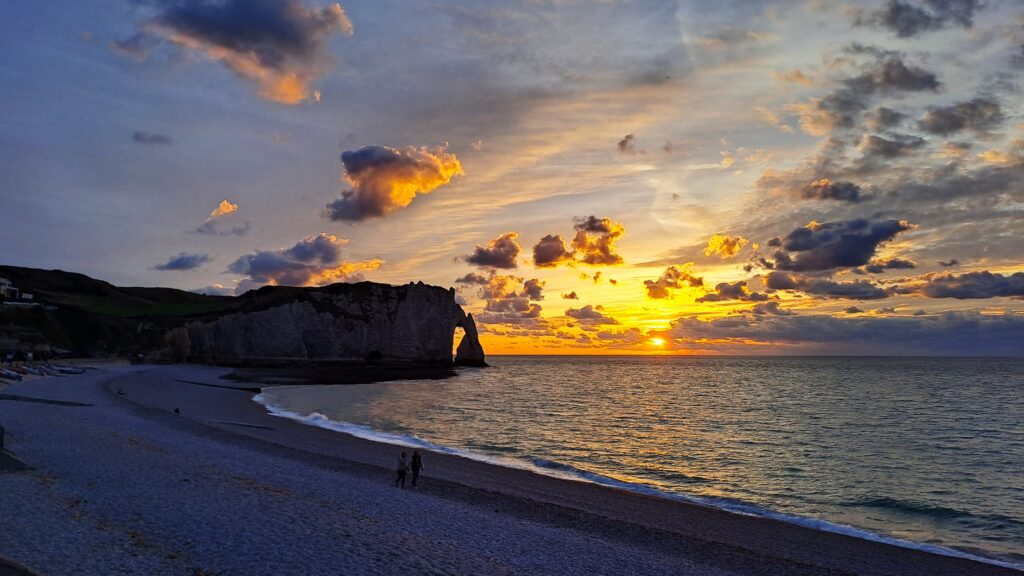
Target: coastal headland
column 174, row 470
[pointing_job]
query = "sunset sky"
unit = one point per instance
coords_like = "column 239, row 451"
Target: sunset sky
column 592, row 177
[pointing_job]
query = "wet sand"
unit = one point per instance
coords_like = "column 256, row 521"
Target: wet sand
column 224, row 487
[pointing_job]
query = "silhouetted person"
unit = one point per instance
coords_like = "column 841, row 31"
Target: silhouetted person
column 402, row 468
column 417, row 465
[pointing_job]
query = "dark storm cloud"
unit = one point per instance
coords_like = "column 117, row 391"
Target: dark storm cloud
column 590, row 315
column 150, row 139
column 907, row 19
column 385, row 179
column 825, row 189
column 550, row 252
column 500, row 252
column 725, row 291
column 897, row 145
column 824, row 287
column 979, row 115
column 968, row 286
column 951, row 333
column 184, row 261
column 279, row 45
column 673, row 278
column 829, row 245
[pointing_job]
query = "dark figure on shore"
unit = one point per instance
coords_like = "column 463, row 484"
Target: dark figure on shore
column 417, row 465
column 402, row 468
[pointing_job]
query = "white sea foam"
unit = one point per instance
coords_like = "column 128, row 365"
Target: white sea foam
column 568, row 472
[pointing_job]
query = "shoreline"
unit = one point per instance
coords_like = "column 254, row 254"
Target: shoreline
column 490, row 470
column 497, row 509
column 566, row 472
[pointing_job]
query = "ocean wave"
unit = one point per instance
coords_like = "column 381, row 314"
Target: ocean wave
column 907, row 507
column 568, row 472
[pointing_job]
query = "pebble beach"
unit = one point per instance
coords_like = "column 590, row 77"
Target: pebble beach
column 172, row 470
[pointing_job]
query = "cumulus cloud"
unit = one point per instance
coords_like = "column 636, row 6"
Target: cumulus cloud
column 887, row 74
column 223, row 209
column 472, row 278
column 1014, row 156
column 184, row 261
column 725, row 291
column 895, row 146
column 215, row 224
column 951, row 333
column 215, row 290
column 590, row 315
column 594, row 243
column 532, row 289
column 384, row 179
column 971, row 285
column 570, row 296
column 829, row 245
column 725, row 246
column 825, row 189
column 979, row 115
column 628, row 144
column 279, row 45
column 770, row 308
column 673, row 278
column 824, row 287
column 509, row 299
column 500, row 252
column 883, row 118
column 550, row 252
column 880, row 266
column 313, row 261
column 906, row 19
column 150, row 139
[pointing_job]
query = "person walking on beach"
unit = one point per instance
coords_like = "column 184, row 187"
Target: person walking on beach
column 417, row 465
column 402, row 468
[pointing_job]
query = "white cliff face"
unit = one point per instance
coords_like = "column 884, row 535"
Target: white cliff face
column 470, row 352
column 411, row 324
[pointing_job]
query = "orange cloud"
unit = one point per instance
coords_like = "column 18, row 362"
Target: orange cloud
column 223, row 209
column 281, row 49
column 385, row 179
column 725, row 246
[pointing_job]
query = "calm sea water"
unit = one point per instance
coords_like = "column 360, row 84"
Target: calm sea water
column 921, row 449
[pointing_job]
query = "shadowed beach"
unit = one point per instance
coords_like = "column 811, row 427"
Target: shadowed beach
column 224, row 488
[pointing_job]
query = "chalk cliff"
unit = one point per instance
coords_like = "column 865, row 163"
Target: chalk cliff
column 364, row 322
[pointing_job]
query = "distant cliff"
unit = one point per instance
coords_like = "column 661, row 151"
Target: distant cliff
column 414, row 324
column 365, row 322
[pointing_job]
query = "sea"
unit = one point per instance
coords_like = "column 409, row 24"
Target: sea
column 921, row 452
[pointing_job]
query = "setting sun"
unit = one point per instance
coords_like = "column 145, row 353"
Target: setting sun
column 657, row 341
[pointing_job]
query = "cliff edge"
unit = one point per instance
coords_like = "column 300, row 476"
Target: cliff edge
column 366, row 322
